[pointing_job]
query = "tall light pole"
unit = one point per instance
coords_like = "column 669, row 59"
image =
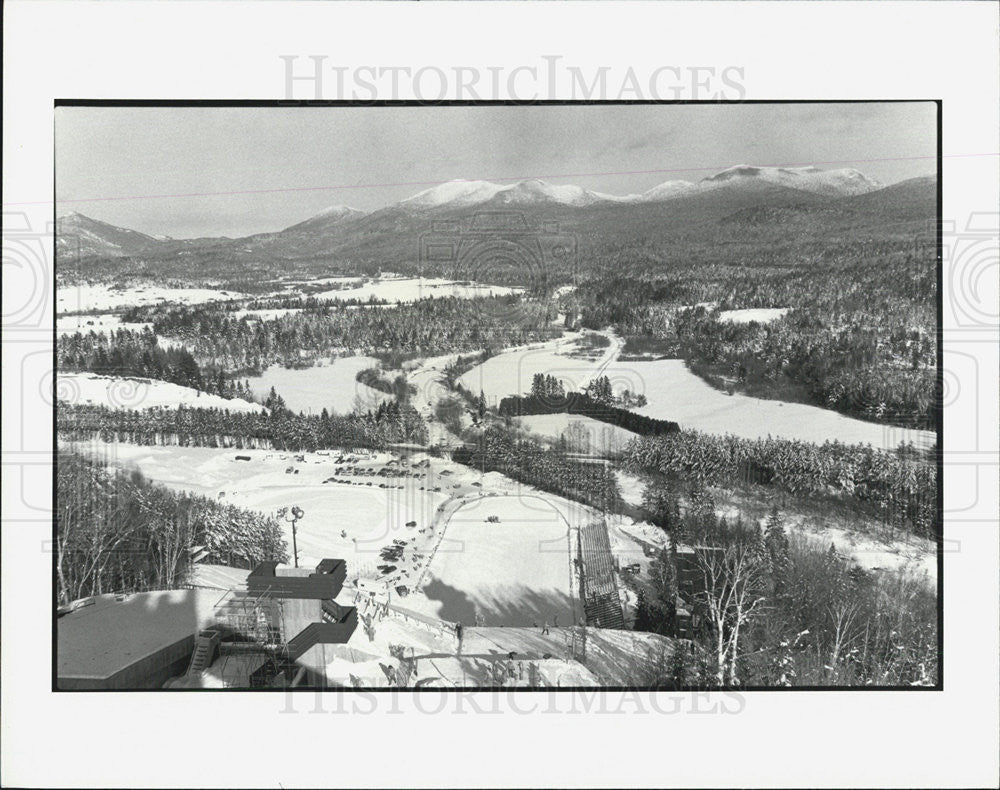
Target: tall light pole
column 297, row 513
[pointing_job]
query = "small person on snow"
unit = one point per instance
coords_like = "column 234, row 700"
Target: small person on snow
column 545, row 627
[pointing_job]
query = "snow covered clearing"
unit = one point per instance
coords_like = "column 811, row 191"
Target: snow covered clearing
column 855, row 538
column 912, row 553
column 631, row 487
column 403, row 290
column 265, row 315
column 80, row 298
column 347, row 515
column 513, row 571
column 426, row 375
column 511, row 372
column 675, row 393
column 762, row 315
column 582, row 434
column 330, row 386
column 107, row 322
column 124, row 392
column 336, row 280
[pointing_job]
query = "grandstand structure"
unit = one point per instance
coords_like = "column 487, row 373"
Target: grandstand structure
column 598, row 580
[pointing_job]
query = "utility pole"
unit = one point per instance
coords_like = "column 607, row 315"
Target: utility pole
column 297, row 513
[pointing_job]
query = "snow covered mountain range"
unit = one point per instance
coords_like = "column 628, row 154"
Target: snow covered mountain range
column 461, row 194
column 727, row 191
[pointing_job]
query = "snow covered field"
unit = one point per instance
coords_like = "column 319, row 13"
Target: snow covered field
column 71, row 324
column 395, row 290
column 77, row 298
column 409, row 289
column 630, row 486
column 331, row 386
column 514, row 572
column 352, row 520
column 675, row 393
column 762, row 315
column 426, row 375
column 583, row 434
column 266, row 315
column 915, row 554
column 511, row 372
column 121, row 392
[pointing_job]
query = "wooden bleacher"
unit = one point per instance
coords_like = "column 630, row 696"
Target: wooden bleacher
column 601, row 603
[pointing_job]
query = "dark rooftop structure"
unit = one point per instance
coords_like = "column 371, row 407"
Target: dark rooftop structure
column 324, row 583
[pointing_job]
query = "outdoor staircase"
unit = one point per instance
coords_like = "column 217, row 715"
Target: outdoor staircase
column 206, row 645
column 604, row 611
column 333, row 612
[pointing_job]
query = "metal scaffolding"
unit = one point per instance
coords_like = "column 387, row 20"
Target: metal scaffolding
column 254, row 626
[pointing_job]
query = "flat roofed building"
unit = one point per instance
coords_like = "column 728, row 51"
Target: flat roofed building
column 130, row 642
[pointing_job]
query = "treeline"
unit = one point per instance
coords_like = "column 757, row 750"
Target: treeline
column 302, row 297
column 279, row 430
column 881, row 373
column 770, row 609
column 900, row 489
column 125, row 352
column 118, row 532
column 398, row 387
column 600, row 391
column 550, row 470
column 425, row 328
column 860, row 337
column 585, row 406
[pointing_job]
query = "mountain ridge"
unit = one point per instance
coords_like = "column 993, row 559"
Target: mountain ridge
column 78, row 234
column 349, row 233
column 461, row 193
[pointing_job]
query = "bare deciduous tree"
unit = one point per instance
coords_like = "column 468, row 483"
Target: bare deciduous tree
column 731, row 597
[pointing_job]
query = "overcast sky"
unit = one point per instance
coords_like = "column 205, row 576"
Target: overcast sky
column 186, row 172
